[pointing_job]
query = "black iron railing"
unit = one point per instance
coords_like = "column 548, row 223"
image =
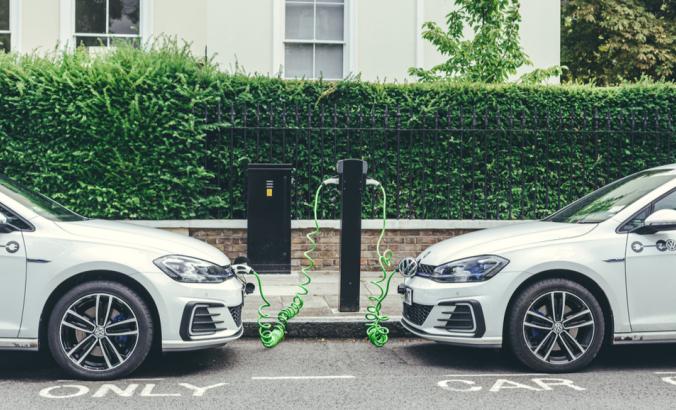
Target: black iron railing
column 460, row 164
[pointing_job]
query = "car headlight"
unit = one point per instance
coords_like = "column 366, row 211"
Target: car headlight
column 193, row 270
column 475, row 269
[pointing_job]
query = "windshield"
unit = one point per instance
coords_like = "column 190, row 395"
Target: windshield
column 37, row 202
column 605, row 203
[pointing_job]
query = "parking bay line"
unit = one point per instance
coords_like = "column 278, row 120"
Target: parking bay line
column 497, row 375
column 302, row 377
column 150, row 379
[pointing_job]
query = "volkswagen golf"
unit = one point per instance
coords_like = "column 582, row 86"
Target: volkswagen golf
column 99, row 295
column 601, row 270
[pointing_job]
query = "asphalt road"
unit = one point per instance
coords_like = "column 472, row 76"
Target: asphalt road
column 317, row 374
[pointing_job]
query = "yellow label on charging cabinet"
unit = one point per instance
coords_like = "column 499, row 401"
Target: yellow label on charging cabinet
column 268, row 192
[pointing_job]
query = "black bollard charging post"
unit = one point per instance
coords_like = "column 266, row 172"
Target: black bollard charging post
column 352, row 173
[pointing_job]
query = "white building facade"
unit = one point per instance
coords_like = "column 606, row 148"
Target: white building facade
column 376, row 39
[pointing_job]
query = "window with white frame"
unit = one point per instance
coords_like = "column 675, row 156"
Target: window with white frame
column 107, row 22
column 314, row 45
column 5, row 32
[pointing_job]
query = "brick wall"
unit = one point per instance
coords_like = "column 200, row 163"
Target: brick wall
column 402, row 242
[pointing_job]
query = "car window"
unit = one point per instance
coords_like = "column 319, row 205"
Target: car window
column 608, row 201
column 14, row 219
column 37, row 202
column 637, row 221
column 668, row 202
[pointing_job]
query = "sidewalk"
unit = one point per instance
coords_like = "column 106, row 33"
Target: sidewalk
column 320, row 316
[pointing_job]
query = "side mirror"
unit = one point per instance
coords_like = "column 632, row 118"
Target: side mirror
column 662, row 220
column 241, row 260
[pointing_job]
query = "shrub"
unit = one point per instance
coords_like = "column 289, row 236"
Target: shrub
column 160, row 134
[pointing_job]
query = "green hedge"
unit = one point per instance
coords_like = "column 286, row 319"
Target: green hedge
column 160, row 134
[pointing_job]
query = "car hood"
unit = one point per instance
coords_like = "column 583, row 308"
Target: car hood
column 140, row 237
column 500, row 240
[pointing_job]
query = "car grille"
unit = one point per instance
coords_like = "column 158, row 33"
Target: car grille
column 457, row 317
column 425, row 270
column 204, row 322
column 417, row 314
column 236, row 312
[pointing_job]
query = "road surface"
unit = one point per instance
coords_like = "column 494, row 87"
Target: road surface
column 333, row 374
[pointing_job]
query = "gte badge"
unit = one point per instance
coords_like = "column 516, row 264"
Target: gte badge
column 269, row 185
column 668, row 245
column 12, row 247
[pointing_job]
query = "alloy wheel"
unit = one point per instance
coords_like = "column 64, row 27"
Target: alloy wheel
column 99, row 332
column 558, row 327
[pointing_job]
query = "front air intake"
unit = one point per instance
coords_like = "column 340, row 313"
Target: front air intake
column 416, row 313
column 202, row 320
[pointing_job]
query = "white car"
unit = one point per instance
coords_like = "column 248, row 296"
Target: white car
column 100, row 295
column 602, row 270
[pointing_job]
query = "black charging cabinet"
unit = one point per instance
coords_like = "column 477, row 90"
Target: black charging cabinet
column 269, row 217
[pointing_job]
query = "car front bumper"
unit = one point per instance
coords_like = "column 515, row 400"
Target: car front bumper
column 467, row 314
column 198, row 316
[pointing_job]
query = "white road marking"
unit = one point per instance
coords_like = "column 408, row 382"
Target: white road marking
column 122, row 380
column 669, row 379
column 302, row 377
column 496, row 375
column 500, row 384
column 665, row 372
column 77, row 390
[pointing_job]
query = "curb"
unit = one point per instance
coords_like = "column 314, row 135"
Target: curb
column 329, row 328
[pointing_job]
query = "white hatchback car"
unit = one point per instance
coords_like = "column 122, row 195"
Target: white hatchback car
column 102, row 294
column 600, row 270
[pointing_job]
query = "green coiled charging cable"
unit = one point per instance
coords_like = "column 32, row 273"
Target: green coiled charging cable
column 271, row 334
column 378, row 334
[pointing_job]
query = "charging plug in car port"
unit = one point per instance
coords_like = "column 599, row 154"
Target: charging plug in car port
column 401, row 289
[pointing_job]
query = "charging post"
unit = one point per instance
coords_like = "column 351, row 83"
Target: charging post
column 352, row 176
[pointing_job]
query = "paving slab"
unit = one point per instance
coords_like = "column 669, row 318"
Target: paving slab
column 320, row 316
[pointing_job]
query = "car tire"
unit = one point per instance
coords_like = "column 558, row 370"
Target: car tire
column 100, row 330
column 555, row 326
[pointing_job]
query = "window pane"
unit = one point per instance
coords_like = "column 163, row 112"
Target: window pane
column 90, row 16
column 13, row 219
column 124, row 16
column 91, row 41
column 329, row 60
column 298, row 61
column 668, row 202
column 329, row 22
column 4, row 14
column 299, row 22
column 5, row 42
column 637, row 222
column 330, row 1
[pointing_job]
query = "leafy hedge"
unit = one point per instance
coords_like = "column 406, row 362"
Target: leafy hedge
column 160, row 134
